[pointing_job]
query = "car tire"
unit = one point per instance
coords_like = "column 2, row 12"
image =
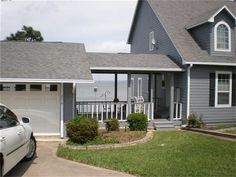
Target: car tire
column 1, row 165
column 32, row 149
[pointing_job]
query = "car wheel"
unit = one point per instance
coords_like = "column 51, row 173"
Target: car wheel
column 32, row 149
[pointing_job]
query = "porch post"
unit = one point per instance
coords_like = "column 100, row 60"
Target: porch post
column 115, row 91
column 171, row 96
column 61, row 111
column 151, row 80
column 129, row 92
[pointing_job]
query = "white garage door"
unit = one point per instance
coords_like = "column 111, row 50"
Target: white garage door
column 39, row 102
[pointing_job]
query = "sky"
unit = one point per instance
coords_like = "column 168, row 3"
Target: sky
column 102, row 25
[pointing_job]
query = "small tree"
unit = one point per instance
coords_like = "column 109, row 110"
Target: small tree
column 27, row 33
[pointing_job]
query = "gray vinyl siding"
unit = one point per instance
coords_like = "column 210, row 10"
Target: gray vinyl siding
column 145, row 22
column 180, row 81
column 223, row 16
column 68, row 101
column 201, row 34
column 199, row 95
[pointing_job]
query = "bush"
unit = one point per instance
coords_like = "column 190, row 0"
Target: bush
column 137, row 122
column 81, row 130
column 195, row 121
column 112, row 125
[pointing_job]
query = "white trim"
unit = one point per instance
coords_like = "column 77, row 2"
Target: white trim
column 151, row 40
column 211, row 63
column 135, row 69
column 215, row 37
column 212, row 18
column 62, row 112
column 230, row 90
column 44, row 80
column 188, row 89
column 132, row 87
column 140, row 87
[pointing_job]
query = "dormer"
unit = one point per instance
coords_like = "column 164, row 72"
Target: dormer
column 214, row 31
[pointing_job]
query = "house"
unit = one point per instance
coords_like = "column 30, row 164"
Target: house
column 182, row 61
column 200, row 37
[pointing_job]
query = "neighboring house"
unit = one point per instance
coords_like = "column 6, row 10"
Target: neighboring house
column 200, row 37
column 182, row 61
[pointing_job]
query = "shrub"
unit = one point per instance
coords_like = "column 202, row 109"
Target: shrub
column 112, row 125
column 137, row 122
column 81, row 130
column 195, row 121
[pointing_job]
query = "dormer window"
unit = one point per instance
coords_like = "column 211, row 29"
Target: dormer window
column 222, row 37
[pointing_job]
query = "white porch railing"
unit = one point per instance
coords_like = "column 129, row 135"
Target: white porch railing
column 107, row 110
column 177, row 111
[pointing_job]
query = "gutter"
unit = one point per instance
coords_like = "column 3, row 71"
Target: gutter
column 188, row 89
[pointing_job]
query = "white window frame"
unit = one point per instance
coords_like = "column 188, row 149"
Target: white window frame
column 140, row 87
column 230, row 90
column 132, row 87
column 215, row 37
column 151, row 38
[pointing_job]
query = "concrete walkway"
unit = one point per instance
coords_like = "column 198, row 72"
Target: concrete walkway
column 48, row 164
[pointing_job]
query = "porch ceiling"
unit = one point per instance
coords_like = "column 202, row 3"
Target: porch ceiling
column 131, row 62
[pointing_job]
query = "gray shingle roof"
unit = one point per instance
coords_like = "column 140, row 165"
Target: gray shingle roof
column 175, row 15
column 131, row 62
column 44, row 60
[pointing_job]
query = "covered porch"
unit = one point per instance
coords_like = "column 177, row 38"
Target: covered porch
column 150, row 87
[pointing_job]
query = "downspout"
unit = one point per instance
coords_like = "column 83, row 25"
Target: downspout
column 188, row 89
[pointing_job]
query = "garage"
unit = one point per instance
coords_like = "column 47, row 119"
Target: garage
column 39, row 102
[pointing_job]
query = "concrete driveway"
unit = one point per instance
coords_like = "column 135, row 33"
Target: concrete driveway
column 48, row 164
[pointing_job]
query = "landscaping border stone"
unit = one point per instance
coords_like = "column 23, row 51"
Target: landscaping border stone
column 212, row 132
column 148, row 137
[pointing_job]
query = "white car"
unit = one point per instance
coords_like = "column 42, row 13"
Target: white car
column 16, row 140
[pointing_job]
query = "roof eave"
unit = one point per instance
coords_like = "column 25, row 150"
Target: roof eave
column 212, row 63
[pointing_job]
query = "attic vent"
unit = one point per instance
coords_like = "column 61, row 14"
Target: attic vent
column 152, row 41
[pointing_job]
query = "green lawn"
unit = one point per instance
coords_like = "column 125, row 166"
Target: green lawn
column 169, row 153
column 231, row 131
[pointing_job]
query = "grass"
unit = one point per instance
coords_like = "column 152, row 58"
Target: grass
column 114, row 137
column 219, row 127
column 169, row 153
column 231, row 131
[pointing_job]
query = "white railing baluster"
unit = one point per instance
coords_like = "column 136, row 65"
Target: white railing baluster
column 97, row 111
column 121, row 112
column 102, row 113
column 144, row 107
column 92, row 110
column 116, row 110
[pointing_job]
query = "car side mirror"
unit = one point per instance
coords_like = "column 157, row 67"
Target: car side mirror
column 25, row 120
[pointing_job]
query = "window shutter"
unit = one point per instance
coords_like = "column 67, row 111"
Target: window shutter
column 212, row 89
column 234, row 89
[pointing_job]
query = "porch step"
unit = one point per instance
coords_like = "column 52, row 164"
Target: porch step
column 163, row 125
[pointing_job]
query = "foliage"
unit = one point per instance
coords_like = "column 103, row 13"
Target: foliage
column 81, row 130
column 112, row 125
column 195, row 121
column 27, row 33
column 192, row 154
column 137, row 122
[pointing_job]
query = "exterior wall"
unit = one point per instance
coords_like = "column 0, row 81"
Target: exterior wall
column 199, row 95
column 146, row 21
column 201, row 34
column 225, row 17
column 68, row 101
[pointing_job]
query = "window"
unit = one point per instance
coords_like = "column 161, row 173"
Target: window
column 51, row 87
column 7, row 118
column 36, row 87
column 222, row 37
column 139, row 87
column 151, row 41
column 132, row 87
column 5, row 87
column 223, row 89
column 20, row 87
column 163, row 82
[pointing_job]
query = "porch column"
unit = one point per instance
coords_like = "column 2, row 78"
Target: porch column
column 115, row 91
column 61, row 111
column 171, row 96
column 129, row 92
column 152, row 85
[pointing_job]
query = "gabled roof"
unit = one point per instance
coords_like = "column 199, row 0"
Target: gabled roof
column 208, row 17
column 43, row 62
column 131, row 62
column 176, row 15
